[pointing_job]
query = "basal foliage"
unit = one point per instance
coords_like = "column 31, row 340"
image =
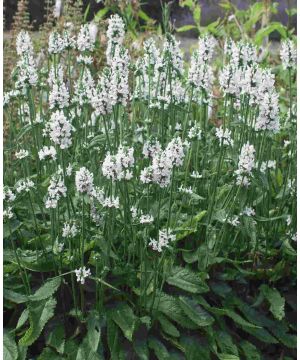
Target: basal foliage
column 149, row 206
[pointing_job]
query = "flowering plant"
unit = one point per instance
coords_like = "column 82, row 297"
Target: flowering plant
column 122, row 194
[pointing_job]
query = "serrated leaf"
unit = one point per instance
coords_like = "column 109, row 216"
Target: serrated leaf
column 250, row 351
column 39, row 314
column 195, row 312
column 190, row 226
column 10, row 350
column 235, row 317
column 23, row 318
column 57, row 339
column 193, row 350
column 168, row 327
column 49, row 354
column 225, row 343
column 46, row 290
column 159, row 349
column 187, row 280
column 168, row 305
column 124, row 317
column 275, row 300
column 14, row 297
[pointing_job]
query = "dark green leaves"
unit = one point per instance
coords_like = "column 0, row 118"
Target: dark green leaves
column 39, row 314
column 195, row 312
column 275, row 299
column 124, row 317
column 187, row 280
column 10, row 350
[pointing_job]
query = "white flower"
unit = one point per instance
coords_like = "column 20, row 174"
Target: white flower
column 69, row 230
column 246, row 164
column 84, row 88
column 21, row 154
column 82, row 273
column 115, row 35
column 270, row 164
column 24, row 185
column 24, row 44
column 288, row 54
column 84, row 180
column 56, row 190
column 224, row 136
column 288, row 220
column 134, row 212
column 248, row 211
column 151, row 147
column 47, row 151
column 69, row 170
column 59, row 130
column 234, row 221
column 118, row 167
column 286, row 143
column 8, row 213
column 8, row 195
column 146, row 219
column 85, row 39
column 26, row 72
column 111, row 202
column 56, row 43
column 196, row 175
column 164, row 238
column 59, row 96
column 268, row 116
column 87, row 60
column 195, row 132
column 185, row 190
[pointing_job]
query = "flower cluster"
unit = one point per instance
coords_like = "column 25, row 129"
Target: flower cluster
column 246, row 165
column 119, row 166
column 164, row 238
column 81, row 274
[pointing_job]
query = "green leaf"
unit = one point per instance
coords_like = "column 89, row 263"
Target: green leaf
column 273, row 26
column 225, row 343
column 187, row 280
column 112, row 338
column 14, row 297
column 250, row 351
column 49, row 354
column 39, row 314
column 10, row 350
column 193, row 349
column 190, row 226
column 159, row 349
column 22, row 352
column 168, row 327
column 186, row 28
column 124, row 317
column 195, row 312
column 57, row 339
column 85, row 352
column 228, row 357
column 141, row 349
column 22, row 319
column 276, row 301
column 197, row 14
column 94, row 331
column 100, row 14
column 235, row 317
column 169, row 306
column 46, row 290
